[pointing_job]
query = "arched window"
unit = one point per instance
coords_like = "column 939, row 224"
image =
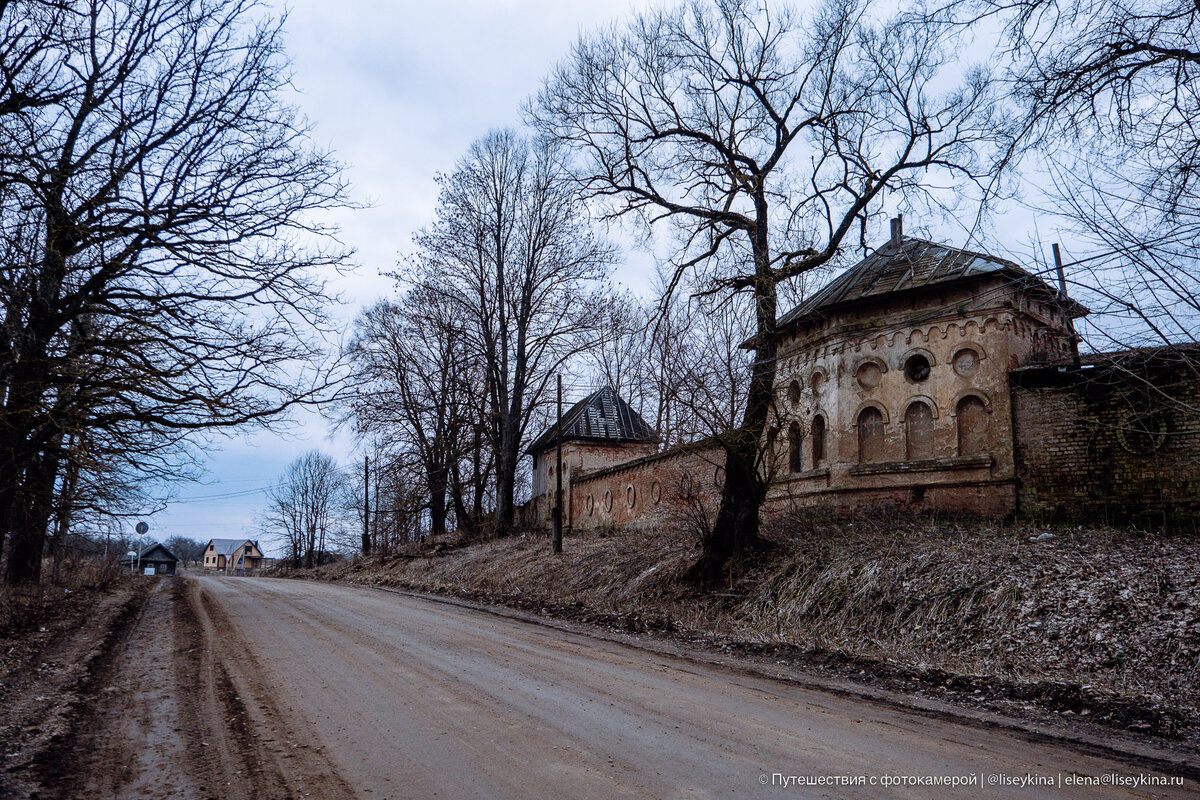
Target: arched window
column 870, row 435
column 772, row 443
column 818, row 441
column 794, row 394
column 972, row 426
column 918, row 432
column 795, row 445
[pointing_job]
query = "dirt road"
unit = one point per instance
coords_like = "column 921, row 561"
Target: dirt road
column 345, row 691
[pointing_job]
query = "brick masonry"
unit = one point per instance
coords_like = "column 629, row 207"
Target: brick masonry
column 1108, row 444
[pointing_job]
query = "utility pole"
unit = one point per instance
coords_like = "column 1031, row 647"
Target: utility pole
column 366, row 534
column 1062, row 290
column 558, row 496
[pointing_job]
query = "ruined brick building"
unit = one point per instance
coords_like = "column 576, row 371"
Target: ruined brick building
column 927, row 377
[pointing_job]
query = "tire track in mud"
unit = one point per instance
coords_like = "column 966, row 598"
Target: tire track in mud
column 165, row 711
column 282, row 763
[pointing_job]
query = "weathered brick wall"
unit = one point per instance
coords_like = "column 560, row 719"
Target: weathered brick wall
column 1095, row 444
column 649, row 491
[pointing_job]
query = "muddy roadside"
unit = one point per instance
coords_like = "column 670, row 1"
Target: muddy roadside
column 139, row 697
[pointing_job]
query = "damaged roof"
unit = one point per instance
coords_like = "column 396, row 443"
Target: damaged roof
column 601, row 416
column 906, row 263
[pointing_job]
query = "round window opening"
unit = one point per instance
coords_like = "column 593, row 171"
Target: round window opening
column 630, row 495
column 590, row 504
column 869, row 375
column 608, row 500
column 656, row 492
column 916, row 369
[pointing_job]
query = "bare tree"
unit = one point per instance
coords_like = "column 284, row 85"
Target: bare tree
column 766, row 141
column 413, row 387
column 1109, row 95
column 154, row 192
column 511, row 254
column 302, row 508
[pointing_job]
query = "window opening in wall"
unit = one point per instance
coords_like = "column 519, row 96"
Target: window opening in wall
column 794, row 394
column 870, row 435
column 818, row 441
column 817, row 381
column 918, row 432
column 972, row 418
column 966, row 362
column 772, row 443
column 917, row 368
column 1142, row 433
column 795, row 447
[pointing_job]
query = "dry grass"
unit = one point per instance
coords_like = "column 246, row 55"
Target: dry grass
column 26, row 607
column 1118, row 609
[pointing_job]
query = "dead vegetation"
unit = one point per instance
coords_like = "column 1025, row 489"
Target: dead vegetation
column 1098, row 623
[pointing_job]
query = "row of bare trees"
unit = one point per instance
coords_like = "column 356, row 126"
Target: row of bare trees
column 159, row 277
column 761, row 147
column 507, row 289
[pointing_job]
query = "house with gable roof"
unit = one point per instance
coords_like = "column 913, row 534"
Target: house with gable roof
column 231, row 555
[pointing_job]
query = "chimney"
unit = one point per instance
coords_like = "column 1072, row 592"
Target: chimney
column 897, row 228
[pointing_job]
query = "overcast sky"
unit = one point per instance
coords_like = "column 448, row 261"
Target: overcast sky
column 398, row 90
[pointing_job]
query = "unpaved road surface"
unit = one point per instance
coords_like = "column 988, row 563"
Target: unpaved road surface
column 350, row 692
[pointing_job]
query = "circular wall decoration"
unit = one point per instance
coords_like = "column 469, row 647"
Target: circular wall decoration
column 590, row 505
column 966, row 362
column 656, row 492
column 608, row 499
column 685, row 483
column 630, row 496
column 869, row 375
column 1142, row 433
column 719, row 477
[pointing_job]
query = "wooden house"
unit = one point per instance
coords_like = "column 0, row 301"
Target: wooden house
column 154, row 559
column 232, row 556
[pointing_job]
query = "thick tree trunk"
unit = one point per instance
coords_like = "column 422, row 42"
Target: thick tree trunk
column 437, row 500
column 506, row 475
column 25, row 545
column 736, row 526
column 23, row 470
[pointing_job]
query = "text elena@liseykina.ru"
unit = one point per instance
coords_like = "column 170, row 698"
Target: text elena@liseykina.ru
column 1027, row 780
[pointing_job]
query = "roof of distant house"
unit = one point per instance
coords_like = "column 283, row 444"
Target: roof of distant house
column 603, row 416
column 907, row 263
column 226, row 547
column 146, row 552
